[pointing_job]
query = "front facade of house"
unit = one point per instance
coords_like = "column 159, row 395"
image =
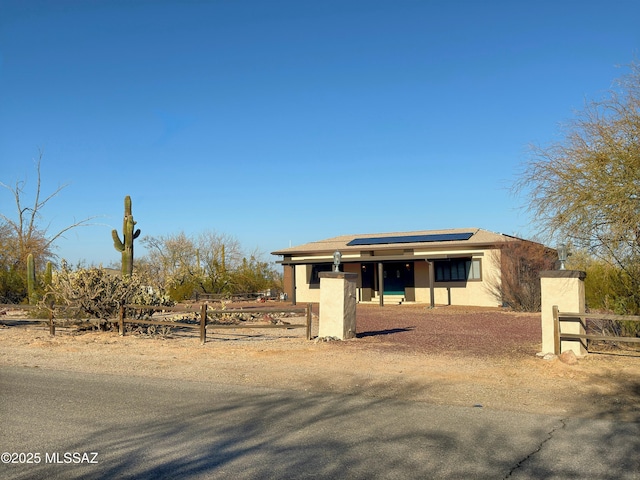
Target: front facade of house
column 436, row 267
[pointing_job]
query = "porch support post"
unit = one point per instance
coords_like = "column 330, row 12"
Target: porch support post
column 293, row 284
column 432, row 279
column 381, row 283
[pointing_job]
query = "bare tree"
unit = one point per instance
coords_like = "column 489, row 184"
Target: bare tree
column 27, row 235
column 585, row 188
column 172, row 258
column 219, row 255
column 208, row 263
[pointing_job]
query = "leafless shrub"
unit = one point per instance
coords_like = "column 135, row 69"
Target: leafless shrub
column 521, row 262
column 98, row 294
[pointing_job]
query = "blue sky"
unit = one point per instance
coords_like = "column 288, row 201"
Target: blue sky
column 284, row 122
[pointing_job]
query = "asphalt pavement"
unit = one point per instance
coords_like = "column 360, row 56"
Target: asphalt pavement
column 65, row 425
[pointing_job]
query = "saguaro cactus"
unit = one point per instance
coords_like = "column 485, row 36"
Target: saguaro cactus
column 47, row 282
column 48, row 275
column 128, row 236
column 31, row 280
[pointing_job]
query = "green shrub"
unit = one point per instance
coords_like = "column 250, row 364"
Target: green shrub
column 181, row 291
column 13, row 286
column 609, row 288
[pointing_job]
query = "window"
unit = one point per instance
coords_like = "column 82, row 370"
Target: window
column 313, row 279
column 458, row 270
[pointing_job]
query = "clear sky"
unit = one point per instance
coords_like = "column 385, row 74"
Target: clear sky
column 281, row 122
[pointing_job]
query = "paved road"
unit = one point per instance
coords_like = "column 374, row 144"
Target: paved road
column 149, row 429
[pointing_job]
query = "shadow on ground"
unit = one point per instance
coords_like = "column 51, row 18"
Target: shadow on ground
column 614, row 397
column 389, row 331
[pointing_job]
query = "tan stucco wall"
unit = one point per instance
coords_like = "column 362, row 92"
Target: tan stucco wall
column 473, row 293
column 304, row 294
column 470, row 293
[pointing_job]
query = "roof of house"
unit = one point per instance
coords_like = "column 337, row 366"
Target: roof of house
column 457, row 237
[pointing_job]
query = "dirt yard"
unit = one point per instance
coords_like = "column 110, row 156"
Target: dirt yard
column 482, row 358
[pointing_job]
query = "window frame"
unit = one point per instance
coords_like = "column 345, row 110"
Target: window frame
column 313, row 270
column 444, row 270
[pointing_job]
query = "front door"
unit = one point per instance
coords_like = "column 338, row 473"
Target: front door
column 368, row 281
column 397, row 276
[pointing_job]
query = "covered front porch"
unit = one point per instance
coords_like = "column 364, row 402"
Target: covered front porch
column 385, row 281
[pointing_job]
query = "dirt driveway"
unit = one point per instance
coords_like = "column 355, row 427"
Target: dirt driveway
column 481, row 358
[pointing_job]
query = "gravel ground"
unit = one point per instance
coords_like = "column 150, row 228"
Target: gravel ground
column 451, row 330
column 448, row 355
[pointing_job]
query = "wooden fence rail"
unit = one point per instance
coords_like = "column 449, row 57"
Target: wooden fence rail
column 198, row 297
column 50, row 315
column 204, row 311
column 559, row 317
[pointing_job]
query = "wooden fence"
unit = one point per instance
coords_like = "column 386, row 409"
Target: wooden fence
column 202, row 325
column 559, row 317
column 205, row 312
column 50, row 316
column 266, row 295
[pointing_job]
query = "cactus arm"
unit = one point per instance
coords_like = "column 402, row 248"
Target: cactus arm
column 48, row 274
column 117, row 243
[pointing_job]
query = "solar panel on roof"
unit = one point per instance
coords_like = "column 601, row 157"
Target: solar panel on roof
column 436, row 237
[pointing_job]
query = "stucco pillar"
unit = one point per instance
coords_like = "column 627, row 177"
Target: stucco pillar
column 337, row 305
column 564, row 288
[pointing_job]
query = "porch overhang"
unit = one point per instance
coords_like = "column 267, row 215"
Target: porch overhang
column 381, row 258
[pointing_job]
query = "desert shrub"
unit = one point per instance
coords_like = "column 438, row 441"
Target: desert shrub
column 599, row 285
column 182, row 290
column 254, row 275
column 13, row 285
column 519, row 284
column 99, row 293
column 607, row 288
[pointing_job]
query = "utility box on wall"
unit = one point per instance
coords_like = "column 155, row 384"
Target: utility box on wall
column 337, row 305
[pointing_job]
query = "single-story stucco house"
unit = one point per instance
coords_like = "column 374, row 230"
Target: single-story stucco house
column 444, row 267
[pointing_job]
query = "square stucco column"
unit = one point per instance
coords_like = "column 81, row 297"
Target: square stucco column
column 564, row 288
column 337, row 305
